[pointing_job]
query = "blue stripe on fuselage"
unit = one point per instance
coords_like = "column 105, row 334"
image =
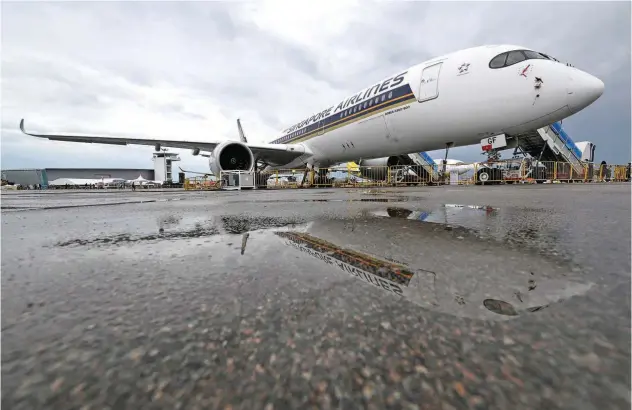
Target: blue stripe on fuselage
column 378, row 103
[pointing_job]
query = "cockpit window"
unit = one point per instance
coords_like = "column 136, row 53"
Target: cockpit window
column 498, row 61
column 513, row 57
column 534, row 55
column 550, row 58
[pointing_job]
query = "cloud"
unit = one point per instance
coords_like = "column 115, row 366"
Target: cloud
column 189, row 70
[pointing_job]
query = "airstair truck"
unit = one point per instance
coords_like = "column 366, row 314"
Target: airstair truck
column 550, row 147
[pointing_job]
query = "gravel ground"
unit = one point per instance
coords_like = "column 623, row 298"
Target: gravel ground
column 327, row 298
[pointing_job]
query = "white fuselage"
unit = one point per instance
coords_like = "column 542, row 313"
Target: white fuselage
column 454, row 165
column 455, row 99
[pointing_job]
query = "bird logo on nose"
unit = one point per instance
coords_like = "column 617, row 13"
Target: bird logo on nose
column 525, row 70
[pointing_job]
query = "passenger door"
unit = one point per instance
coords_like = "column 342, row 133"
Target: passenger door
column 429, row 86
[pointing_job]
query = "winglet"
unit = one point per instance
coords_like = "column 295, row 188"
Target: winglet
column 29, row 133
column 242, row 137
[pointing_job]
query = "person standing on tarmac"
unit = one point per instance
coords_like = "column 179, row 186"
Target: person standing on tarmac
column 133, row 187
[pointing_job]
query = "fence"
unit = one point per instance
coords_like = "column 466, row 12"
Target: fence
column 201, row 184
column 499, row 172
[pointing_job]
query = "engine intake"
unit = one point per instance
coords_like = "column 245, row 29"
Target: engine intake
column 231, row 156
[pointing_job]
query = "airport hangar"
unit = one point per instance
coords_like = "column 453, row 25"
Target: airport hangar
column 44, row 176
column 163, row 163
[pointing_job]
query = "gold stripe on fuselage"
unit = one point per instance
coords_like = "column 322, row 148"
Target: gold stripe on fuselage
column 406, row 99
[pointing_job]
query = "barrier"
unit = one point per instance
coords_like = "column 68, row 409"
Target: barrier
column 531, row 171
column 513, row 171
column 201, row 184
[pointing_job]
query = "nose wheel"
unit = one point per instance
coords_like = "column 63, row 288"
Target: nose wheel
column 489, row 176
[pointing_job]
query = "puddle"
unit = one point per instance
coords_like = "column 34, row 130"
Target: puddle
column 450, row 214
column 396, row 199
column 210, row 227
column 198, row 232
column 512, row 226
column 402, row 253
column 351, row 261
column 434, row 270
column 372, row 192
column 38, row 207
column 401, row 199
column 236, row 224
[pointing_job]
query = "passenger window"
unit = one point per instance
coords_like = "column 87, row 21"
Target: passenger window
column 498, row 61
column 390, row 95
column 383, row 97
column 515, row 57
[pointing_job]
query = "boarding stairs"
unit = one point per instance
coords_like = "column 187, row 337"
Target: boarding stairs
column 552, row 143
column 423, row 159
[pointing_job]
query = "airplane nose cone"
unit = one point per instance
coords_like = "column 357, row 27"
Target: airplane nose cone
column 584, row 89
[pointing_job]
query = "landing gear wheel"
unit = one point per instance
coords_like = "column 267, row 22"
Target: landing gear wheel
column 482, row 177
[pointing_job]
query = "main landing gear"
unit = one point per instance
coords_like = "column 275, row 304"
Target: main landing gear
column 442, row 177
column 307, row 169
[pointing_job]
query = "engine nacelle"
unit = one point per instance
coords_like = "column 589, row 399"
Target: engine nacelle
column 231, row 156
column 376, row 169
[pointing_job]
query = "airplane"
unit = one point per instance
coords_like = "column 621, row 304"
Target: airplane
column 449, row 101
column 452, row 165
column 426, row 277
column 455, row 165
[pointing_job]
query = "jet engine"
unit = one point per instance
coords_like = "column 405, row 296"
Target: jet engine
column 376, row 169
column 231, row 156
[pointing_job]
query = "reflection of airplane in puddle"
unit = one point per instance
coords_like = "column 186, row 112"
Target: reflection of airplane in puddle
column 448, row 213
column 506, row 285
column 504, row 224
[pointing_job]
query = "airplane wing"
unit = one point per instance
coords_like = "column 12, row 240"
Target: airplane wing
column 274, row 154
column 196, row 172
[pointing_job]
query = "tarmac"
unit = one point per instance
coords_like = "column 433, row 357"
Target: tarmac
column 499, row 297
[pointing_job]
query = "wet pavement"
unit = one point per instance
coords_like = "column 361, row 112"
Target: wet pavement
column 508, row 297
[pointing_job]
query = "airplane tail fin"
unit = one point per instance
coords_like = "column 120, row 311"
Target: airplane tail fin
column 242, row 136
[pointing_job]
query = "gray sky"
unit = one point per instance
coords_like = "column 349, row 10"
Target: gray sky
column 189, row 70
